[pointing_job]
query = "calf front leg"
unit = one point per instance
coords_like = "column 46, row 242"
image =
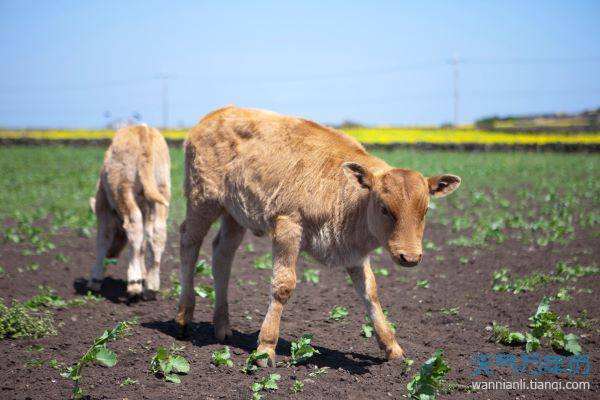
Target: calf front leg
column 366, row 287
column 287, row 235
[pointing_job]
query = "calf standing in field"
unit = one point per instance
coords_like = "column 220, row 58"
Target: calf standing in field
column 309, row 188
column 132, row 201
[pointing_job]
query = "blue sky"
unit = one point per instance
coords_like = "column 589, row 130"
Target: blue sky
column 64, row 63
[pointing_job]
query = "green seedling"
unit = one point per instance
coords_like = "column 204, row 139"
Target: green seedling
column 128, row 382
column 54, row 364
column 32, row 267
column 249, row 248
column 60, row 257
column 34, row 363
column 563, row 295
column 423, row 283
column 302, row 350
column 318, row 372
column 338, row 313
column 545, row 325
column 367, row 328
column 222, row 357
column 429, row 245
column 35, row 348
column 251, row 367
column 85, row 232
column 264, row 262
column 381, row 271
column 297, row 386
column 205, row 291
column 19, row 321
column 501, row 280
column 175, row 290
column 203, row 269
column 168, row 365
column 98, row 353
column 310, row 275
column 266, row 383
column 450, row 311
column 244, row 282
column 581, row 322
column 49, row 299
column 91, row 297
column 502, row 334
column 109, row 261
column 427, row 383
column 408, row 363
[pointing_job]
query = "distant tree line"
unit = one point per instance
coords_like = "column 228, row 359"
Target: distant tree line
column 588, row 120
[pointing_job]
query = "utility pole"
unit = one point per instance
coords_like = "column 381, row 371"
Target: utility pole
column 455, row 81
column 165, row 99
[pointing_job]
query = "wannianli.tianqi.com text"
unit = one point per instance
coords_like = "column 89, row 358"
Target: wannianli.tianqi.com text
column 530, row 384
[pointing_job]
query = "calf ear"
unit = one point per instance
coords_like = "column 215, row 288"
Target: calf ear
column 359, row 173
column 443, row 185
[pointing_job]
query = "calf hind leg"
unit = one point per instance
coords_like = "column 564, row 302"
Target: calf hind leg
column 157, row 235
column 110, row 239
column 224, row 246
column 194, row 228
column 134, row 228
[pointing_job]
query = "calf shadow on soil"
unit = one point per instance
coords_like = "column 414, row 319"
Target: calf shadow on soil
column 114, row 290
column 201, row 334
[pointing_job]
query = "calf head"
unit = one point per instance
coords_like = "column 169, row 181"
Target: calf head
column 398, row 203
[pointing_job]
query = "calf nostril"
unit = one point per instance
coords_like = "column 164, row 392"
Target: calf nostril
column 411, row 258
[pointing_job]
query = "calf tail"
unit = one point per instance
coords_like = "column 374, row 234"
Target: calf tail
column 146, row 168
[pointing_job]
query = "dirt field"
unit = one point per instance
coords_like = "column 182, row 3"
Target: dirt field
column 458, row 277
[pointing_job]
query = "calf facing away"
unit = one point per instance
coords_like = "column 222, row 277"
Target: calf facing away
column 310, row 188
column 132, row 205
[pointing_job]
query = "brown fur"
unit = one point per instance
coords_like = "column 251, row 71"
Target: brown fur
column 131, row 202
column 310, row 188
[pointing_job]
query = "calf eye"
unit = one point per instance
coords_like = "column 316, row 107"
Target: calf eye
column 384, row 210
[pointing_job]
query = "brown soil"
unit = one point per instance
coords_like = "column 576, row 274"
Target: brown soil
column 356, row 369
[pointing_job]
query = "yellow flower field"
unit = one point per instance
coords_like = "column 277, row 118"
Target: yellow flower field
column 365, row 135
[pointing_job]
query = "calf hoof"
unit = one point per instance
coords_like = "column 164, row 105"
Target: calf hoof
column 222, row 333
column 149, row 295
column 183, row 332
column 133, row 298
column 135, row 288
column 266, row 362
column 394, row 353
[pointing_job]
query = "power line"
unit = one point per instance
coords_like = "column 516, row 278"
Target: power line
column 525, row 60
column 316, row 77
column 66, row 88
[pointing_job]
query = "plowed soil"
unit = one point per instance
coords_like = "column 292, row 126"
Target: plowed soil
column 355, row 366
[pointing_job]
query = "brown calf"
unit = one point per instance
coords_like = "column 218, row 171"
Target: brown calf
column 309, row 188
column 132, row 201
